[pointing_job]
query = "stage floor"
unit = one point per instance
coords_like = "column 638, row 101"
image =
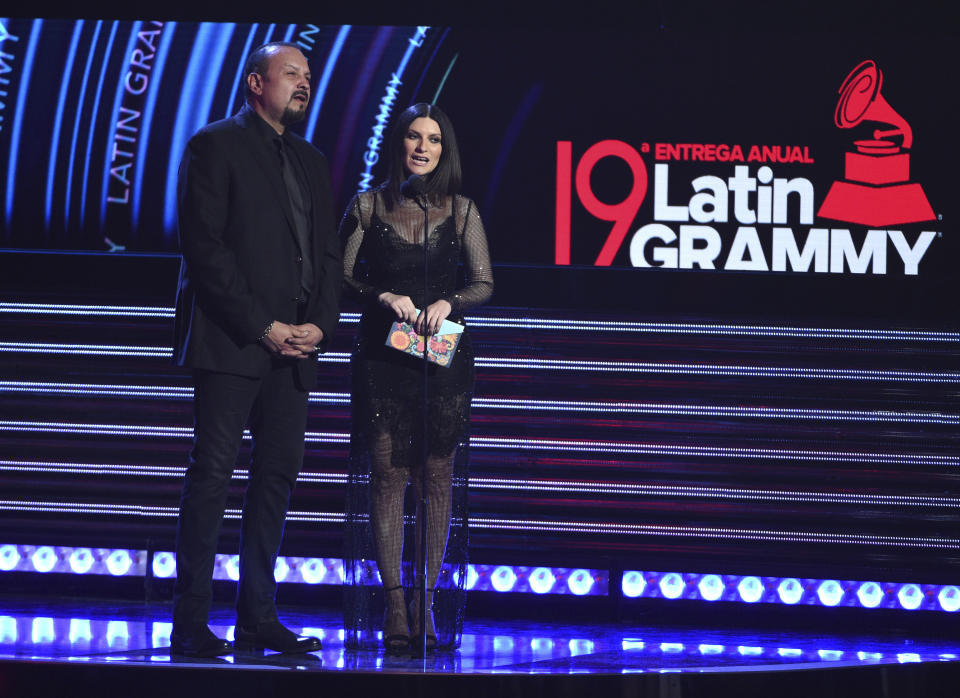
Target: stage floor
column 112, row 633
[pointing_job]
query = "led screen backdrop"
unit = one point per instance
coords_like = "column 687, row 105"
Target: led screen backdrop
column 722, row 342
column 97, row 113
column 799, row 159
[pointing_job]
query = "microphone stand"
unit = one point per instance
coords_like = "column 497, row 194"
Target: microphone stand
column 413, row 188
column 420, row 649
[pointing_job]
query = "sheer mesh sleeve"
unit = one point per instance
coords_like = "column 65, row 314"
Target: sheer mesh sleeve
column 476, row 256
column 355, row 221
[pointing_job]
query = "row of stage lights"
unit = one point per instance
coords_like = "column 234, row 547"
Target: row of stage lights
column 118, row 635
column 295, row 570
column 538, row 323
column 635, row 584
column 791, row 591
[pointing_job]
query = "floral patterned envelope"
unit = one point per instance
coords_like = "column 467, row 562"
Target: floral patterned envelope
column 440, row 347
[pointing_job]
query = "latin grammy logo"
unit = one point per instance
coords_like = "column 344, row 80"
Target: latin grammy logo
column 876, row 190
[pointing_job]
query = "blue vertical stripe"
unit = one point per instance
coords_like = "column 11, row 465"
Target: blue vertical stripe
column 385, row 108
column 114, row 115
column 93, row 120
column 290, row 31
column 443, row 80
column 270, row 29
column 426, row 68
column 58, row 119
column 150, row 104
column 76, row 121
column 516, row 124
column 321, row 91
column 411, row 47
column 18, row 112
column 196, row 97
column 235, row 86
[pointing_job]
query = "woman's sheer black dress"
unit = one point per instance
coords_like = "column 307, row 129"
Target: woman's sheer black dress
column 384, row 251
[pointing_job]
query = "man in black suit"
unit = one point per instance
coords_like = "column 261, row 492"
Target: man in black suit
column 258, row 298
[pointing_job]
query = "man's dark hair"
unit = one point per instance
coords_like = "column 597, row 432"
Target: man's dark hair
column 257, row 62
column 446, row 178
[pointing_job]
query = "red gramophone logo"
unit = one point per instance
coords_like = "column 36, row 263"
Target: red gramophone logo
column 876, row 190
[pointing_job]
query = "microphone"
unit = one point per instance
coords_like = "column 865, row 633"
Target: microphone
column 414, row 187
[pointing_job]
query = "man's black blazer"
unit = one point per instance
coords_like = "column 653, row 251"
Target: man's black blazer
column 240, row 268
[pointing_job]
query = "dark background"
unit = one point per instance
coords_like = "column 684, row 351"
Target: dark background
column 526, row 76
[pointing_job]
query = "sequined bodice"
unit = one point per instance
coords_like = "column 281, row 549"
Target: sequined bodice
column 398, row 265
column 389, row 243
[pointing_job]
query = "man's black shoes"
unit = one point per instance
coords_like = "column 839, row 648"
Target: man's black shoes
column 274, row 636
column 197, row 641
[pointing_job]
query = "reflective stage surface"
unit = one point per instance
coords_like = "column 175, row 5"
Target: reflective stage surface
column 125, row 633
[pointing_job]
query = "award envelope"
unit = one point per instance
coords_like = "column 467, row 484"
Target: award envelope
column 440, row 347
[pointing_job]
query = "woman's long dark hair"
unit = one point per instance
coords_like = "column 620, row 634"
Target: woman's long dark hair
column 446, row 178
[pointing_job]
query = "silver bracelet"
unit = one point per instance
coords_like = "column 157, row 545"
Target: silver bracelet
column 266, row 332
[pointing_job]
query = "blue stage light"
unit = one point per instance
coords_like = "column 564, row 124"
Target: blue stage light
column 749, row 651
column 313, row 632
column 541, row 580
column 502, row 644
column 711, row 649
column 580, row 582
column 750, row 589
column 472, row 577
column 118, row 563
column 81, row 560
column 312, row 570
column 160, row 633
column 830, row 655
column 830, row 592
column 44, row 559
column 80, row 632
column 910, row 596
column 164, row 565
column 232, row 567
column 9, row 558
column 541, row 645
column 503, row 578
column 949, row 598
column 633, row 584
column 580, row 647
column 790, row 591
column 281, row 569
column 42, row 631
column 8, row 630
column 118, row 634
column 338, row 570
column 672, row 585
column 908, row 657
column 710, row 587
column 870, row 594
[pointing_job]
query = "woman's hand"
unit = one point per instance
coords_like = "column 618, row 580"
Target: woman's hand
column 430, row 319
column 402, row 306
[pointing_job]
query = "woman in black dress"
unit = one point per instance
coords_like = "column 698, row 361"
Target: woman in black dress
column 384, row 268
